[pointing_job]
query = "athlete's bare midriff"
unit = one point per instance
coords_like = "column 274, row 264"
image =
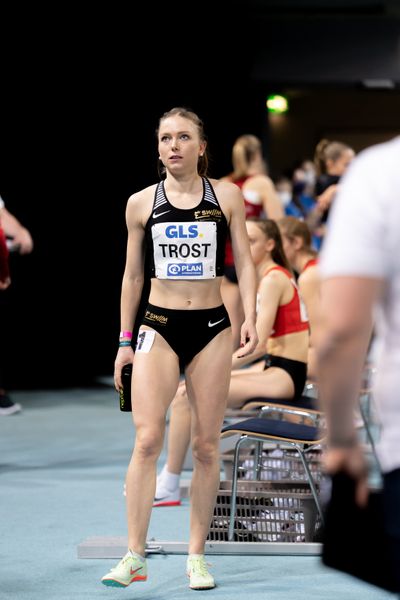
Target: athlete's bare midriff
column 293, row 346
column 189, row 295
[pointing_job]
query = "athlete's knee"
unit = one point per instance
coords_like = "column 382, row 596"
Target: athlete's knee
column 180, row 401
column 205, row 451
column 149, row 442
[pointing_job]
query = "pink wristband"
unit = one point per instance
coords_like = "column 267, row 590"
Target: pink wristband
column 125, row 334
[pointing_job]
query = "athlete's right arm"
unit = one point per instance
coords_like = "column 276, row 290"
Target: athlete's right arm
column 137, row 211
column 272, row 204
column 309, row 289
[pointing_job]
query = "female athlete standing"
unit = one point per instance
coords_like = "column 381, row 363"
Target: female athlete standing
column 181, row 224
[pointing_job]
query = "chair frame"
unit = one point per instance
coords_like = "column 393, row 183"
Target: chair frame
column 301, row 445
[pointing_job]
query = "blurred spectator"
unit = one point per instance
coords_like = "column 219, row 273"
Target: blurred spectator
column 331, row 159
column 18, row 239
column 260, row 199
column 293, row 203
column 4, row 266
column 303, row 181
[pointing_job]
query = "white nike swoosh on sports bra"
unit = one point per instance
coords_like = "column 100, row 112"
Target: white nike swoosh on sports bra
column 160, row 214
column 216, row 322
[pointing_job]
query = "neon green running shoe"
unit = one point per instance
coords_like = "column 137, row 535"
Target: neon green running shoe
column 200, row 578
column 128, row 570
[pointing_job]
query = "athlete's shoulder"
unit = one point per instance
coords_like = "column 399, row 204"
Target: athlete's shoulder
column 310, row 274
column 140, row 203
column 259, row 181
column 147, row 192
column 226, row 189
column 277, row 275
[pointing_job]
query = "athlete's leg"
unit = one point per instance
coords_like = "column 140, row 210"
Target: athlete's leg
column 207, row 383
column 271, row 383
column 180, row 415
column 154, row 382
column 312, row 365
column 179, row 431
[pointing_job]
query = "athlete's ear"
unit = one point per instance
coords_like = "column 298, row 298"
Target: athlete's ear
column 297, row 242
column 269, row 245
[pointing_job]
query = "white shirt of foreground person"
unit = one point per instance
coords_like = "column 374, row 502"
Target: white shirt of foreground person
column 363, row 240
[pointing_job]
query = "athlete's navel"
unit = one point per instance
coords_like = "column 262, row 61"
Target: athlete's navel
column 188, row 302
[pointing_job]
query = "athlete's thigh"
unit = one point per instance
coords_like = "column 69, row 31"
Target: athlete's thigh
column 155, row 378
column 207, row 382
column 273, row 383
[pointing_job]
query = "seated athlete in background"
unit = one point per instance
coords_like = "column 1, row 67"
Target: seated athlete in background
column 303, row 258
column 280, row 358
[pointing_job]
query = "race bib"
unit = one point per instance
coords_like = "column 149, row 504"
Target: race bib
column 185, row 250
column 144, row 340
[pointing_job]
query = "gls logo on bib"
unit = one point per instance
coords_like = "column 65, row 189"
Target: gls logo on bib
column 185, row 250
column 182, row 231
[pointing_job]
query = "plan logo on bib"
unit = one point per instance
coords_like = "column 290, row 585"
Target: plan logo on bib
column 185, row 270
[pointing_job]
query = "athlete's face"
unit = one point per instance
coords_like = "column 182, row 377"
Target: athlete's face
column 179, row 144
column 340, row 165
column 259, row 243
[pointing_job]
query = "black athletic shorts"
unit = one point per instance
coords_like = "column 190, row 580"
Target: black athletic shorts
column 295, row 368
column 187, row 331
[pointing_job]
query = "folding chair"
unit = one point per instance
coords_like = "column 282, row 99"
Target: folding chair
column 305, row 406
column 297, row 435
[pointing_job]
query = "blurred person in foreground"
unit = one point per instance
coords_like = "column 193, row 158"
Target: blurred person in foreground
column 360, row 289
column 15, row 237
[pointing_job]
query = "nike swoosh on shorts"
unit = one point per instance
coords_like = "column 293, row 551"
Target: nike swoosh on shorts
column 216, row 322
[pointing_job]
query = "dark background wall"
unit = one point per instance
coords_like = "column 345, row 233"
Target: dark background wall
column 81, row 104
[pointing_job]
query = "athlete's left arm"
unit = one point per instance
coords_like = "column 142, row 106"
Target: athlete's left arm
column 233, row 207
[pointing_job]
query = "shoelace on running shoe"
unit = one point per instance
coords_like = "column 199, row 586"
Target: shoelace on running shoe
column 122, row 561
column 199, row 566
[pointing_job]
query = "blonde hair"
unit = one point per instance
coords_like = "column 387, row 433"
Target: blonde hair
column 244, row 150
column 328, row 150
column 292, row 227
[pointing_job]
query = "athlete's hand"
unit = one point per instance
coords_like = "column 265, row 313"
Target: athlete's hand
column 352, row 461
column 124, row 357
column 248, row 338
column 326, row 198
column 4, row 283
